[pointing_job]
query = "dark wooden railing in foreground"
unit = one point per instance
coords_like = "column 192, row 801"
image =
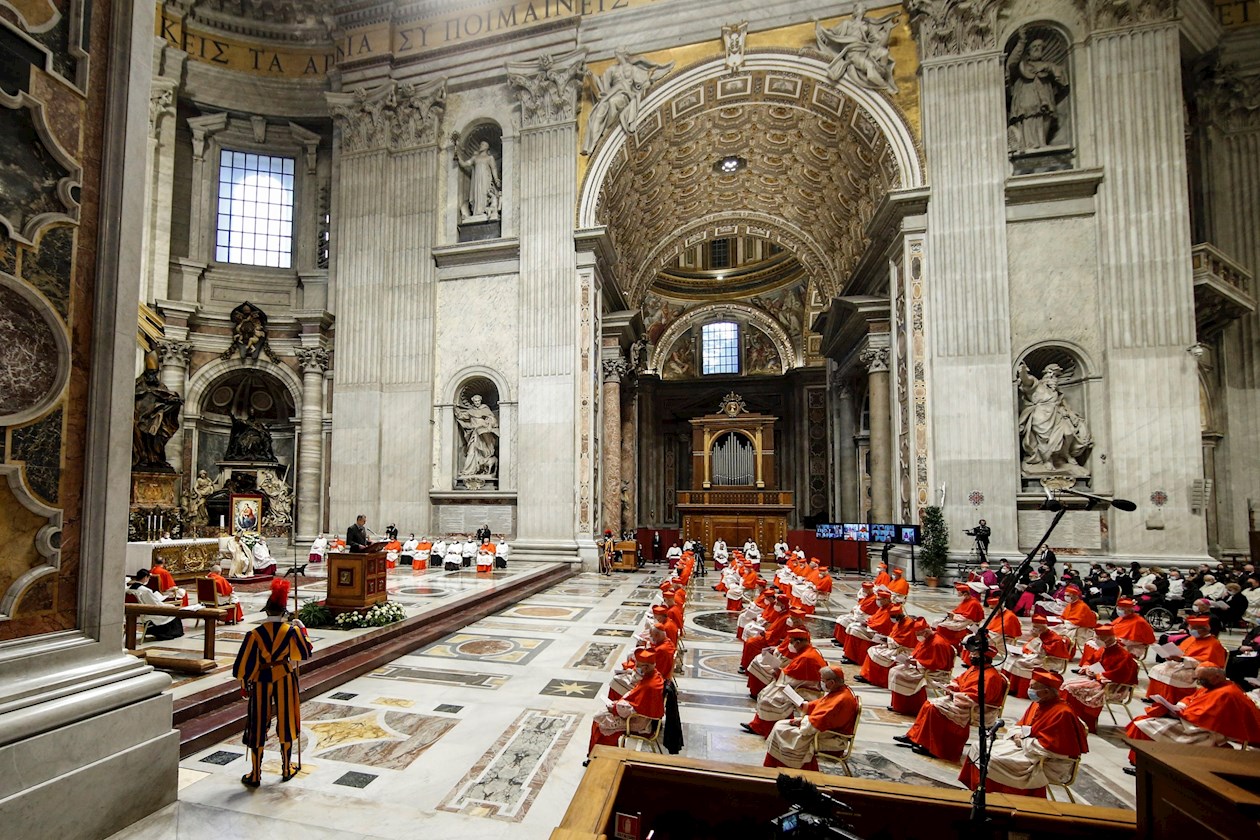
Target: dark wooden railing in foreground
column 699, row 798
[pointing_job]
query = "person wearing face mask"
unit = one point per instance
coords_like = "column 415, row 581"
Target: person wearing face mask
column 1040, row 749
column 1079, row 620
column 1132, row 631
column 1118, row 667
column 1201, row 608
column 1037, row 586
column 1173, row 679
column 765, row 666
column 646, row 699
column 1003, row 628
column 944, row 723
column 768, row 632
column 791, row 741
column 1244, row 661
column 1215, row 712
column 929, row 665
column 1212, row 589
column 860, row 635
column 864, row 607
column 800, row 673
column 963, row 618
column 1046, row 650
column 900, row 641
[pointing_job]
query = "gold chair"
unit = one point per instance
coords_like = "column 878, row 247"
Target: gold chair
column 1066, row 785
column 1115, row 694
column 846, row 741
column 651, row 738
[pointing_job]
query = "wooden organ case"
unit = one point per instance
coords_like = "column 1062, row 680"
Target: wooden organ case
column 734, row 493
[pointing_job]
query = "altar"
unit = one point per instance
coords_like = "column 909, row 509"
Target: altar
column 186, row 560
column 734, row 491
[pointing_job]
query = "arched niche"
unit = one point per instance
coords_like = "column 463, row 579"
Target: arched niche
column 478, row 415
column 478, row 160
column 1039, row 98
column 1054, row 431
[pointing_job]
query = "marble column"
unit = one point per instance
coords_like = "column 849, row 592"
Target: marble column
column 1232, row 208
column 629, row 460
column 876, row 361
column 548, row 438
column 610, row 444
column 310, row 460
column 174, row 356
column 387, row 157
column 847, row 455
column 968, row 302
column 1145, row 283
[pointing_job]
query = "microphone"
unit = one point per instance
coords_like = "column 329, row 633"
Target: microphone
column 1119, row 504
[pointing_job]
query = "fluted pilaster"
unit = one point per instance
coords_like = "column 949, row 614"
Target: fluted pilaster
column 1146, row 292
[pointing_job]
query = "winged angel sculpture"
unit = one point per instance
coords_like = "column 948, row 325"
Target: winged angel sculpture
column 859, row 49
column 619, row 92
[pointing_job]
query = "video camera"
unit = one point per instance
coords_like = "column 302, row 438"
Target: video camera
column 810, row 814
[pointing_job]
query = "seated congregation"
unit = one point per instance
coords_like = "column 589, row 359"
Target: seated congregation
column 1070, row 664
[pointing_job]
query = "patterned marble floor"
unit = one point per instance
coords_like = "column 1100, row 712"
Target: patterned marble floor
column 482, row 734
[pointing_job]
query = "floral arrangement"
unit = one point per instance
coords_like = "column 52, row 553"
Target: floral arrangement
column 377, row 616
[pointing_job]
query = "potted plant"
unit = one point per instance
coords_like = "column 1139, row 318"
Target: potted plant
column 935, row 554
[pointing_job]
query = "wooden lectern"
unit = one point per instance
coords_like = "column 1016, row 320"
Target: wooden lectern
column 355, row 581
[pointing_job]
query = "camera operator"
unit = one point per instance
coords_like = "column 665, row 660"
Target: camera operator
column 982, row 533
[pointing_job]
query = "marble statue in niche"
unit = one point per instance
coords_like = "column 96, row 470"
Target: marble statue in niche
column 1036, row 90
column 484, row 187
column 618, row 93
column 250, row 440
column 480, row 426
column 1054, row 438
column 156, row 419
column 859, row 49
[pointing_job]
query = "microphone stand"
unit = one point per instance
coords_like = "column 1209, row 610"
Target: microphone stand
column 978, row 644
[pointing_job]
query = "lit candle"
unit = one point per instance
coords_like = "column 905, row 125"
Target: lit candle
column 221, row 520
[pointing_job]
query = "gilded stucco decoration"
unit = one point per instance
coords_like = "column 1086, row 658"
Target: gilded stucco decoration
column 817, row 165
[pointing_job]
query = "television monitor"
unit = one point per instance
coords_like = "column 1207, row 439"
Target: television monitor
column 909, row 534
column 857, row 532
column 829, row 531
column 882, row 532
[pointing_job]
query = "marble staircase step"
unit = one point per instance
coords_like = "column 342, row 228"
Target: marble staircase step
column 207, row 717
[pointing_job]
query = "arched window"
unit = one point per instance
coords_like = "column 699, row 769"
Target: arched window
column 719, row 348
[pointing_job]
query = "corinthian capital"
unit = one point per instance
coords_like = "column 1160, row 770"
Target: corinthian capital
column 393, row 116
column 547, row 87
column 875, row 359
column 615, row 370
column 953, row 27
column 1116, row 14
column 173, row 353
column 312, row 359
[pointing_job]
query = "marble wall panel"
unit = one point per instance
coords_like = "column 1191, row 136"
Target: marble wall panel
column 1054, row 282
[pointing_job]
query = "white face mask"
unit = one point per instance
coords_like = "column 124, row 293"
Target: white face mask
column 1198, row 634
column 1033, row 695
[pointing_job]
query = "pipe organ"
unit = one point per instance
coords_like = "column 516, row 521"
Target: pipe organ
column 734, row 494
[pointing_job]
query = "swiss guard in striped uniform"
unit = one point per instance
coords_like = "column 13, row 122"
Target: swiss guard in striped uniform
column 267, row 666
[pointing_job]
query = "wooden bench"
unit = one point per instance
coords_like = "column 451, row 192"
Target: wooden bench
column 211, row 616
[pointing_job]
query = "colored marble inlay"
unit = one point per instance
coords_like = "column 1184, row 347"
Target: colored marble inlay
column 595, row 656
column 374, row 737
column 516, row 650
column 505, row 780
column 543, row 611
column 625, row 618
column 572, row 688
